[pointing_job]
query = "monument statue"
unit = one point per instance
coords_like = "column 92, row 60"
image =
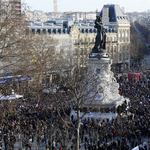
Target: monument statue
column 101, row 36
column 99, row 65
column 98, row 50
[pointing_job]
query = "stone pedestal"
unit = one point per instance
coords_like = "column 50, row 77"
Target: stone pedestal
column 108, row 97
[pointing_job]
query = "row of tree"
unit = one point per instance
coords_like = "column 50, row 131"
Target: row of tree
column 144, row 31
column 138, row 48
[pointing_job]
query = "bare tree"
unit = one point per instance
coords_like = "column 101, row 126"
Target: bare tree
column 13, row 38
column 138, row 49
column 42, row 56
column 79, row 91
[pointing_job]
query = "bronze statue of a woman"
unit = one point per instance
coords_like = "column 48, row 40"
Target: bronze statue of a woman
column 100, row 37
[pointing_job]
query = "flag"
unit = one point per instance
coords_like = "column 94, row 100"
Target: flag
column 99, row 96
column 33, row 60
column 37, row 105
column 61, row 71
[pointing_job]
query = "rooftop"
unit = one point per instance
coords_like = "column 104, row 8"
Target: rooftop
column 115, row 13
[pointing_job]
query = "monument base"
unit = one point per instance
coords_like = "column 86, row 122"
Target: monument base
column 101, row 54
column 110, row 97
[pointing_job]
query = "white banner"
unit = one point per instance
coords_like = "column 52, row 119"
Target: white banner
column 136, row 148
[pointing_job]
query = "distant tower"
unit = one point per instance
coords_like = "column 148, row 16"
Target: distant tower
column 55, row 8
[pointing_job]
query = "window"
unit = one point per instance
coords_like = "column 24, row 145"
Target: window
column 124, row 56
column 93, row 40
column 115, row 48
column 108, row 50
column 111, row 49
column 86, row 40
column 81, row 52
column 75, row 52
column 119, row 56
column 126, row 34
column 75, row 60
column 123, row 36
column 111, row 39
column 81, row 61
column 123, row 48
column 112, row 52
column 89, row 50
column 76, row 41
column 119, row 36
column 84, row 52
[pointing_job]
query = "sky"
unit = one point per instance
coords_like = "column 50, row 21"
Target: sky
column 86, row 5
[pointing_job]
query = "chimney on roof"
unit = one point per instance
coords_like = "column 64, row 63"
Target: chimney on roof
column 76, row 17
column 105, row 15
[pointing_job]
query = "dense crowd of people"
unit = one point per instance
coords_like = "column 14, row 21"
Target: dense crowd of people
column 27, row 122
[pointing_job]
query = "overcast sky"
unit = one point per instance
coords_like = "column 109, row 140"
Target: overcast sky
column 86, row 5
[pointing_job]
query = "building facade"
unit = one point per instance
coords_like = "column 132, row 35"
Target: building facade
column 117, row 42
column 82, row 35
